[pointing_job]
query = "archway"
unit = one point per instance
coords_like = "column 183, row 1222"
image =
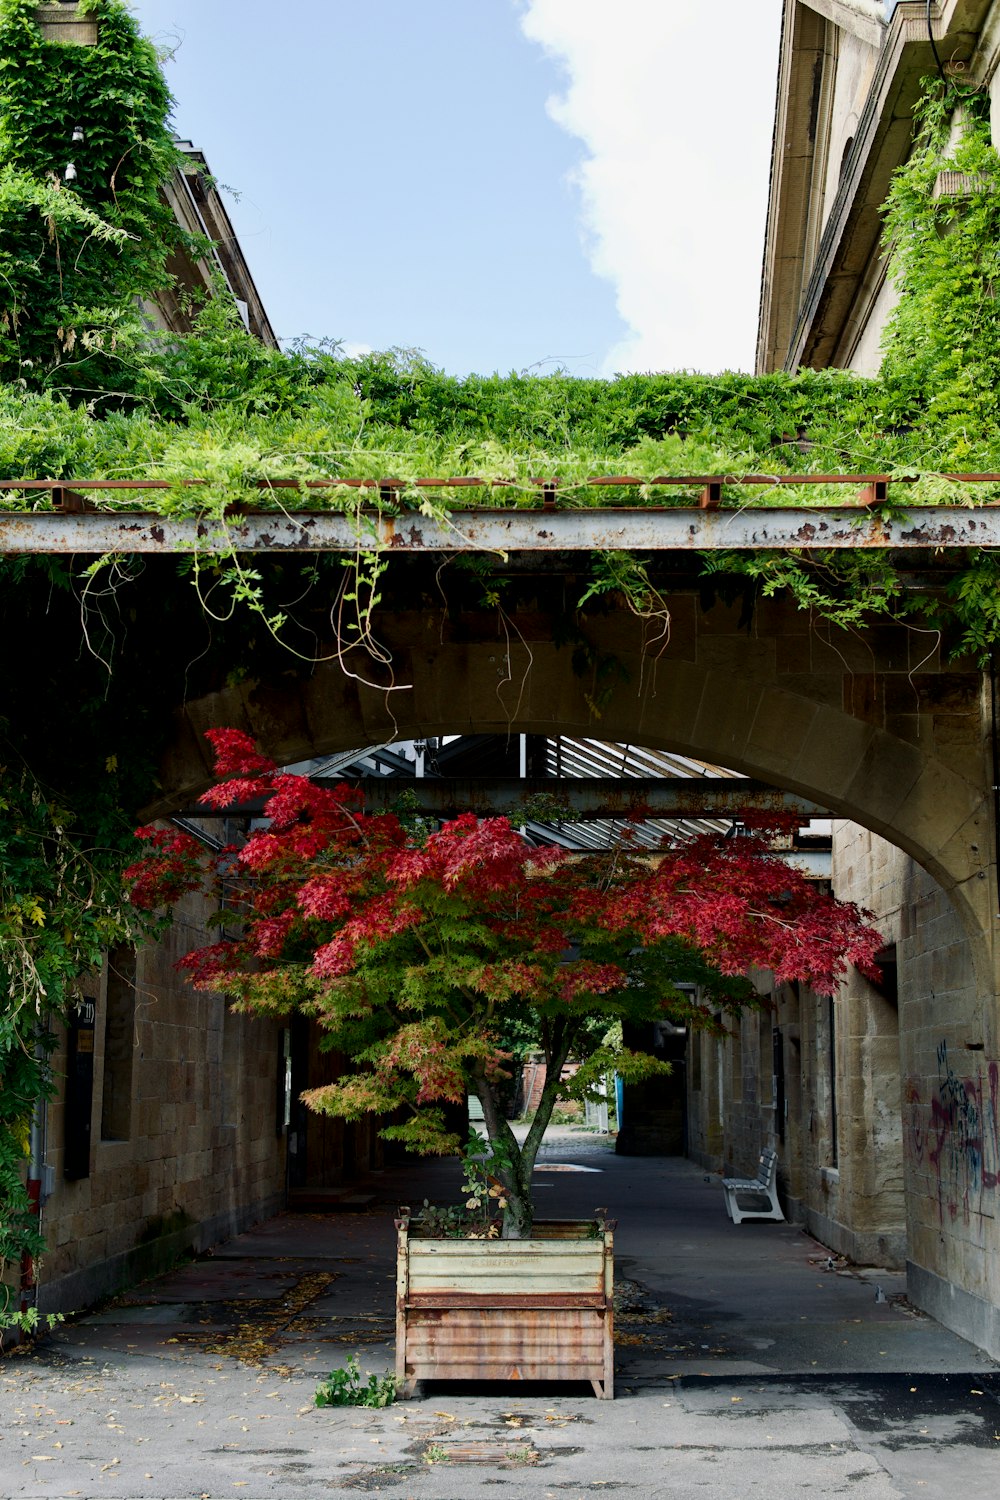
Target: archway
column 860, row 724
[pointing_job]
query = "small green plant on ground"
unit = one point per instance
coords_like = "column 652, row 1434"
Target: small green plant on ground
column 568, row 1113
column 345, row 1387
column 26, row 1323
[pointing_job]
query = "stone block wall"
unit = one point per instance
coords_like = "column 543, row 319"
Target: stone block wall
column 186, row 1138
column 884, row 1104
column 946, row 1176
column 737, row 1094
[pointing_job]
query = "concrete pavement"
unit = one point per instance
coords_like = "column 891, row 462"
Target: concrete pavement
column 748, row 1363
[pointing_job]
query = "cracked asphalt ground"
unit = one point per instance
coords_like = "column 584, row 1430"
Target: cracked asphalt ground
column 749, row 1362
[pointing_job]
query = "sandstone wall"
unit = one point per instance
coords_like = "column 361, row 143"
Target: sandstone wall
column 187, row 1145
column 884, row 1104
column 949, row 1159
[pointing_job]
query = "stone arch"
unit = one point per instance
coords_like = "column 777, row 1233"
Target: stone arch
column 865, row 724
column 847, row 721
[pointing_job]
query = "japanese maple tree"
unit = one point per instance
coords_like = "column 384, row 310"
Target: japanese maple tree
column 416, row 952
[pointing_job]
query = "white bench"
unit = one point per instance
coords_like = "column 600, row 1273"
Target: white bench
column 763, row 1186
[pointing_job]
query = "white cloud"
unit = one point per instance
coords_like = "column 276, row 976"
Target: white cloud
column 674, row 103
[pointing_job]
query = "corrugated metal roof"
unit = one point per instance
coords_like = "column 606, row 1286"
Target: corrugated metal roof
column 569, row 756
column 573, row 758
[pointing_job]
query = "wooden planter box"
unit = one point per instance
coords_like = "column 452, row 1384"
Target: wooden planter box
column 63, row 23
column 538, row 1309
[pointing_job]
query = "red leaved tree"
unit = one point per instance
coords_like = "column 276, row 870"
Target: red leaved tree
column 420, row 953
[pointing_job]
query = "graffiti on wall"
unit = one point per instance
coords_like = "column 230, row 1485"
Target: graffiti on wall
column 957, row 1133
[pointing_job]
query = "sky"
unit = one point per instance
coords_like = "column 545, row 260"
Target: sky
column 501, row 184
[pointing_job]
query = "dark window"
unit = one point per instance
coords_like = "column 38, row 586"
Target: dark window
column 79, row 1088
column 847, row 154
column 831, row 1011
column 119, row 1046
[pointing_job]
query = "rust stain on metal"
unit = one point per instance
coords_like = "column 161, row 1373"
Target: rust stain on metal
column 448, row 1298
column 499, row 530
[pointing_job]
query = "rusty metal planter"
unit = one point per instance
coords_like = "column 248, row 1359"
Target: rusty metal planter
column 538, row 1309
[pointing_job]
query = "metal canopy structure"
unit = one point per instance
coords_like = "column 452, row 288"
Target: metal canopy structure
column 723, row 519
column 588, row 793
column 640, row 530
column 576, row 799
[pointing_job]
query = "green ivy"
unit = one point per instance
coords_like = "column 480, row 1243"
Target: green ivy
column 78, row 251
column 940, row 373
column 62, row 904
column 942, row 344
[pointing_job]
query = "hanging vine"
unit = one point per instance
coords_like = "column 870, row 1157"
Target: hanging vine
column 940, row 370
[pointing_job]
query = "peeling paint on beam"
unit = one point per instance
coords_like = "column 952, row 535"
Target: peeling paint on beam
column 644, row 530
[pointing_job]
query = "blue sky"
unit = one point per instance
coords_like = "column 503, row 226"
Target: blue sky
column 504, row 184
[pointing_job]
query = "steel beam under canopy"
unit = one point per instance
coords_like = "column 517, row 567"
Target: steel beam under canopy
column 94, row 533
column 552, row 800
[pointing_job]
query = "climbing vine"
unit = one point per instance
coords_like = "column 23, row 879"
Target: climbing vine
column 941, row 362
column 61, row 906
column 942, row 222
column 85, row 234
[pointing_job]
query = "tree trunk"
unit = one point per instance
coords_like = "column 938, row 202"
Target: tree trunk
column 517, row 1162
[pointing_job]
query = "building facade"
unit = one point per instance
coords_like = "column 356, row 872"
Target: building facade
column 883, row 1104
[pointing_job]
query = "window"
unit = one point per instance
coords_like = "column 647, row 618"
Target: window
column 283, row 1114
column 119, row 1046
column 736, row 1063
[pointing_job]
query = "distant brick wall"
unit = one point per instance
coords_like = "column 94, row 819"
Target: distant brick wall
column 533, row 1074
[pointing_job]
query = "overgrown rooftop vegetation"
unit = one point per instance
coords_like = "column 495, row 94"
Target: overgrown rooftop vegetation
column 90, row 391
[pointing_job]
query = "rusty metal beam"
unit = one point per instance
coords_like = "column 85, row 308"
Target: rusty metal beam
column 552, row 489
column 642, row 530
column 579, row 800
column 586, row 799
